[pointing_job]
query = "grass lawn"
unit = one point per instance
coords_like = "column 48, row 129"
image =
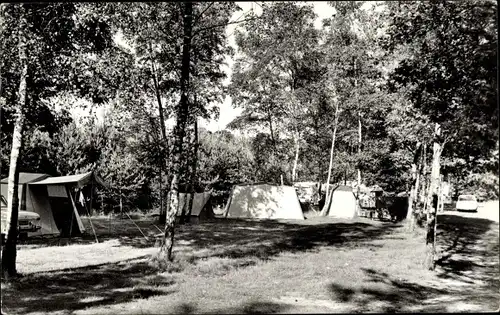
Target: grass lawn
column 236, row 266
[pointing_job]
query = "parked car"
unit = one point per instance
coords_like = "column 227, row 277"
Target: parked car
column 467, row 203
column 27, row 221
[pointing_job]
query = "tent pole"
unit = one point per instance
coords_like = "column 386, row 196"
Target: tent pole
column 90, row 220
column 72, row 212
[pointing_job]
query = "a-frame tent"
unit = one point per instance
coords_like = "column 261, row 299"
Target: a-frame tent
column 201, row 208
column 264, row 201
column 341, row 203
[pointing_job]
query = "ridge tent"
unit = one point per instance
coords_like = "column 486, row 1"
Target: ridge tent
column 341, row 203
column 201, row 208
column 264, row 201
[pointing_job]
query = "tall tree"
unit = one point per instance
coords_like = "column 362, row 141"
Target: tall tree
column 277, row 58
column 45, row 35
column 452, row 76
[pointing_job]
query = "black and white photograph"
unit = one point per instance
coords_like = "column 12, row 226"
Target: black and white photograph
column 249, row 157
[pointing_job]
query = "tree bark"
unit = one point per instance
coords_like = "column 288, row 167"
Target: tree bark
column 194, row 174
column 180, row 128
column 414, row 185
column 359, row 127
column 324, row 210
column 433, row 201
column 423, row 191
column 359, row 151
column 162, row 129
column 296, row 159
column 9, row 252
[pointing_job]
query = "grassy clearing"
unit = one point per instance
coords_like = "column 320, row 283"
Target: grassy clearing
column 233, row 266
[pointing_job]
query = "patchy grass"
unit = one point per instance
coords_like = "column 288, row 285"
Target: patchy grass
column 238, row 266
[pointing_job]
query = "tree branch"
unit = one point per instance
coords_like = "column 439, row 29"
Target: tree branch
column 219, row 25
column 195, row 20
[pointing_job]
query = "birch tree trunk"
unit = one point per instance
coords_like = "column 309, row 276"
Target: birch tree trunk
column 414, row 186
column 163, row 136
column 416, row 195
column 296, row 160
column 325, row 209
column 194, row 174
column 9, row 252
column 423, row 191
column 359, row 151
column 180, row 128
column 432, row 203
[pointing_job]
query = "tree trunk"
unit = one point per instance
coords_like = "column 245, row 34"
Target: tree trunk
column 423, row 191
column 416, row 195
column 163, row 132
column 324, row 210
column 359, row 151
column 182, row 117
column 194, row 174
column 433, row 201
column 296, row 159
column 359, row 127
column 9, row 252
column 414, row 185
column 188, row 199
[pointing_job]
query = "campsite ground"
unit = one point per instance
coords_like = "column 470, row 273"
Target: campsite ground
column 235, row 266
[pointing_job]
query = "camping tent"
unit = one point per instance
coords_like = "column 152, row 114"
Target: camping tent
column 24, row 178
column 201, row 207
column 264, row 201
column 34, row 199
column 342, row 203
column 64, row 202
column 50, row 197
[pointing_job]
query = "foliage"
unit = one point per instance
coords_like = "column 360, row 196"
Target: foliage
column 225, row 160
column 451, row 68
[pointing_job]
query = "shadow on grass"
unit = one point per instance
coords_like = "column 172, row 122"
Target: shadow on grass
column 243, row 241
column 470, row 253
column 252, row 307
column 81, row 288
column 469, row 248
column 384, row 294
column 264, row 239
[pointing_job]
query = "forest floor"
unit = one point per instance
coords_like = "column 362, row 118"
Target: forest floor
column 235, row 266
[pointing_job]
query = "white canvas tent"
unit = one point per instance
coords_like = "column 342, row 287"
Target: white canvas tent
column 341, row 203
column 263, row 201
column 201, row 208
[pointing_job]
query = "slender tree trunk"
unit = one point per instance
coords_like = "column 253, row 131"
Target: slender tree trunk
column 414, row 185
column 359, row 151
column 359, row 128
column 9, row 252
column 182, row 117
column 423, row 191
column 416, row 195
column 324, row 210
column 433, row 201
column 194, row 174
column 296, row 159
column 189, row 191
column 163, row 132
column 121, row 204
